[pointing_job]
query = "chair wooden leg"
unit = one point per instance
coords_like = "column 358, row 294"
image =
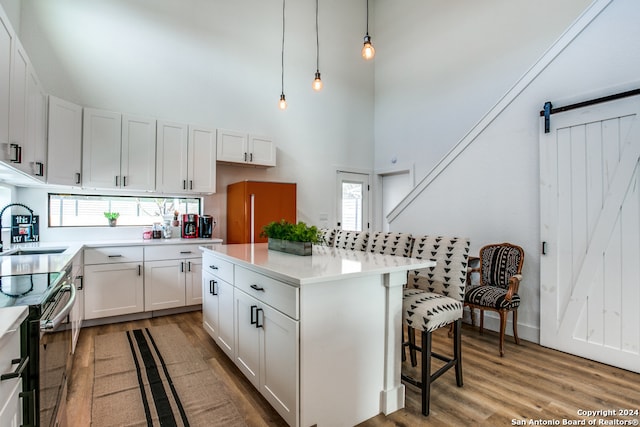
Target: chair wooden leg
column 402, row 346
column 481, row 321
column 426, row 371
column 457, row 350
column 503, row 326
column 412, row 345
column 515, row 326
column 473, row 319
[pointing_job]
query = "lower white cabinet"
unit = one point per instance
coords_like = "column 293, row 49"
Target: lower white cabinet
column 113, row 281
column 217, row 311
column 10, row 388
column 113, row 289
column 11, row 409
column 173, row 277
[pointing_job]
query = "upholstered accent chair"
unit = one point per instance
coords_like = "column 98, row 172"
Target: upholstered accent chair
column 390, row 243
column 500, row 269
column 432, row 299
column 327, row 236
column 352, row 240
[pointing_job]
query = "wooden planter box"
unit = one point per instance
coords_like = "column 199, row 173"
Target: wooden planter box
column 295, row 248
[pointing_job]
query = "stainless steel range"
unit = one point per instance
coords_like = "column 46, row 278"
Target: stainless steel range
column 46, row 339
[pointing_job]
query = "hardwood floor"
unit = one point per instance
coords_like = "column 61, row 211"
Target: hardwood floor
column 529, row 382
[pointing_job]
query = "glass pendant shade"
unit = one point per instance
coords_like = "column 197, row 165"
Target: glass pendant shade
column 282, row 103
column 317, row 82
column 368, row 52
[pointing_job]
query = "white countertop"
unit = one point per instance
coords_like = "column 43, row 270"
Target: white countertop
column 326, row 263
column 45, row 263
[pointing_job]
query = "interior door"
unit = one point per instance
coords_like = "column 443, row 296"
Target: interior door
column 590, row 223
column 353, row 201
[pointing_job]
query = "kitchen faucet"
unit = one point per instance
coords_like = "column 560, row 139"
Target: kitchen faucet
column 2, row 212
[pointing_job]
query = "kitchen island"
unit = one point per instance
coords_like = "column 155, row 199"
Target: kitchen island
column 319, row 336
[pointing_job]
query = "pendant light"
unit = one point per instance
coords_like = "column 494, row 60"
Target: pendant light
column 317, row 82
column 368, row 52
column 283, row 101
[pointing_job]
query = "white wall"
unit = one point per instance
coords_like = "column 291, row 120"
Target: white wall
column 491, row 191
column 217, row 63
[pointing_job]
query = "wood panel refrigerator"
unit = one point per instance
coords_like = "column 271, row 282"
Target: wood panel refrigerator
column 253, row 204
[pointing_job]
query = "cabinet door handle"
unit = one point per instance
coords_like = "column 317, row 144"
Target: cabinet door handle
column 258, row 324
column 253, row 312
column 81, row 280
column 212, row 287
column 188, row 265
column 181, row 267
column 40, row 169
column 251, row 157
column 22, row 364
column 213, row 267
column 77, row 177
column 184, row 184
column 17, row 158
column 186, row 252
column 190, row 184
column 139, row 270
column 116, row 180
column 257, row 288
column 115, row 256
column 31, row 395
column 245, row 157
column 124, row 181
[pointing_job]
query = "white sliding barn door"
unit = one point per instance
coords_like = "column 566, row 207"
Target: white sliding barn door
column 590, row 221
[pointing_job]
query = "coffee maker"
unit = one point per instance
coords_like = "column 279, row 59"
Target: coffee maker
column 189, row 226
column 206, row 226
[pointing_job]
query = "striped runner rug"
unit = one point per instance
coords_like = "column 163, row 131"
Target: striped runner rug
column 155, row 377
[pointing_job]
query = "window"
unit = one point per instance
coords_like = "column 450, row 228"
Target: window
column 76, row 210
column 353, row 201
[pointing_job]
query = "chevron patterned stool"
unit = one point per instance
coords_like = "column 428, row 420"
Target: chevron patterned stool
column 434, row 298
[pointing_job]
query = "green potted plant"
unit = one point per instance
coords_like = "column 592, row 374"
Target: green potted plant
column 111, row 217
column 291, row 238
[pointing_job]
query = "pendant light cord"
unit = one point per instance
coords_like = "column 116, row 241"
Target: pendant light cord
column 282, row 75
column 367, row 17
column 317, row 42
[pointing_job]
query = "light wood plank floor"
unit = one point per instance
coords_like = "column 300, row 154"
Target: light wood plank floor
column 529, row 382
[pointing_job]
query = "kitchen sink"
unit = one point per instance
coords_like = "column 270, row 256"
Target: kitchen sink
column 34, row 251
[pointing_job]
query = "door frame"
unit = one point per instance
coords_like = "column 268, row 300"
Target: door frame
column 337, row 196
column 378, row 214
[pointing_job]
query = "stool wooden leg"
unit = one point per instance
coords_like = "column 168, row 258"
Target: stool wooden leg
column 457, row 350
column 412, row 345
column 426, row 371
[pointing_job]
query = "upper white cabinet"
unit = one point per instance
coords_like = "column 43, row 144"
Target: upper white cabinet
column 26, row 149
column 65, row 142
column 246, row 149
column 186, row 159
column 6, row 46
column 118, row 151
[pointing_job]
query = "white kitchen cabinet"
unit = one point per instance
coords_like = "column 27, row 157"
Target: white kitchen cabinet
column 6, row 45
column 118, row 151
column 64, row 142
column 76, row 316
column 266, row 352
column 10, row 361
column 246, row 149
column 217, row 310
column 171, row 274
column 186, row 159
column 111, row 287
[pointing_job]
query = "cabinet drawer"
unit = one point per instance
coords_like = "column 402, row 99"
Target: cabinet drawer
column 281, row 296
column 218, row 267
column 10, row 349
column 110, row 255
column 162, row 252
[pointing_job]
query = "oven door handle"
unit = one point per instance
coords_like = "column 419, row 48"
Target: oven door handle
column 51, row 324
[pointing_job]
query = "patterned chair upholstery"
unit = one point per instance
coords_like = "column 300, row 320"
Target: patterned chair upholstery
column 433, row 299
column 500, row 268
column 327, row 236
column 352, row 240
column 398, row 244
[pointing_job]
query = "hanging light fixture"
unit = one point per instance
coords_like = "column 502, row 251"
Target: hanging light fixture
column 368, row 52
column 317, row 82
column 283, row 101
